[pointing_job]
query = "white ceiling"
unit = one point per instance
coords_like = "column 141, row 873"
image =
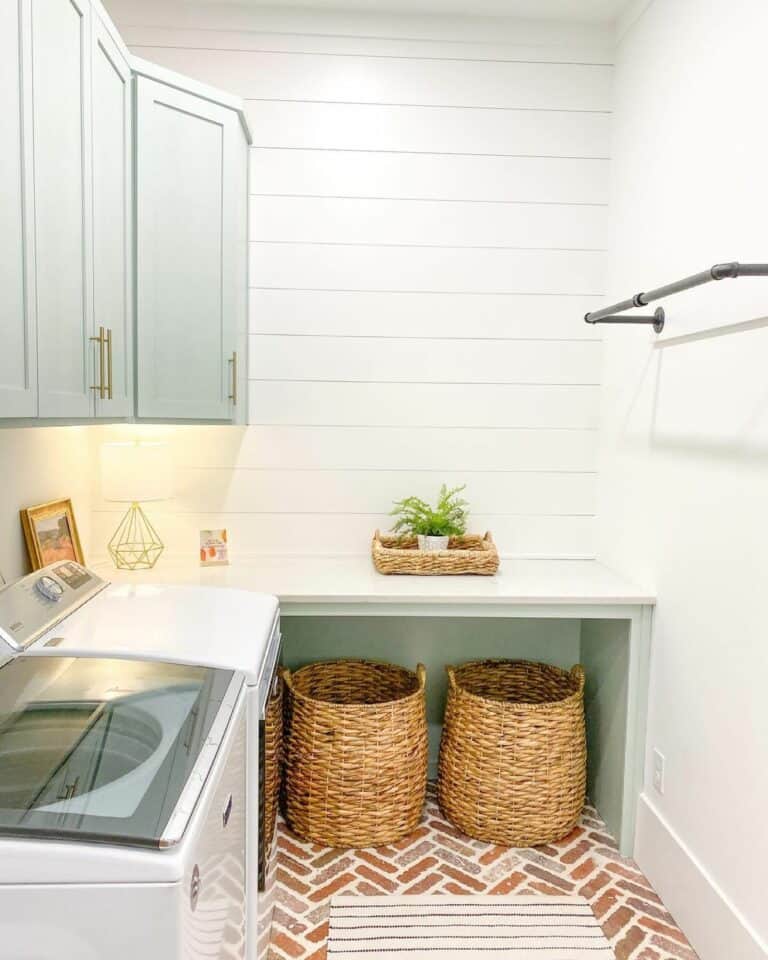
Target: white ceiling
column 585, row 11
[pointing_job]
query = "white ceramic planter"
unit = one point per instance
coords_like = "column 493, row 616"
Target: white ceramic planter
column 432, row 543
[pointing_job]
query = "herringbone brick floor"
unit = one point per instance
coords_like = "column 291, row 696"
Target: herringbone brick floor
column 438, row 859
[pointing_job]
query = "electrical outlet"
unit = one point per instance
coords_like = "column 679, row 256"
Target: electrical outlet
column 658, row 771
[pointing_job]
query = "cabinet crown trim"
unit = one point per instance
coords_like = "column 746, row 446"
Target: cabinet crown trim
column 144, row 68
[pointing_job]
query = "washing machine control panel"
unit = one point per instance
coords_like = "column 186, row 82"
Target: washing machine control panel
column 49, row 588
column 35, row 603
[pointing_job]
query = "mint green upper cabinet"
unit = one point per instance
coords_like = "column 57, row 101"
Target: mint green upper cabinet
column 62, row 188
column 18, row 358
column 112, row 116
column 189, row 198
column 123, row 228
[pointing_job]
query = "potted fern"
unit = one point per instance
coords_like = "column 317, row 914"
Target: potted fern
column 432, row 526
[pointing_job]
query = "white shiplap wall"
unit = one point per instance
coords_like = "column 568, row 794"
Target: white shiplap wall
column 428, row 224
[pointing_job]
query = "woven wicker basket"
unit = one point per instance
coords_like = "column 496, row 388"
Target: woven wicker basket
column 468, row 554
column 355, row 752
column 273, row 763
column 513, row 753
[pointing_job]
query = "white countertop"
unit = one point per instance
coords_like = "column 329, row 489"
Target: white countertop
column 353, row 581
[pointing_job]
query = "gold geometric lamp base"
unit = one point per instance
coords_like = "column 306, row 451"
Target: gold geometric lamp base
column 135, row 544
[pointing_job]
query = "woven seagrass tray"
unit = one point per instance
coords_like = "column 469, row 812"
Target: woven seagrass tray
column 471, row 553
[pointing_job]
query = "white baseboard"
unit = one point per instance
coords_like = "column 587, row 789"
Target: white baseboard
column 711, row 922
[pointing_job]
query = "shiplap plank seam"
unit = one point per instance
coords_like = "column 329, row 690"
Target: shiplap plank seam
column 412, row 57
column 342, row 196
column 426, row 246
column 426, row 106
column 384, row 336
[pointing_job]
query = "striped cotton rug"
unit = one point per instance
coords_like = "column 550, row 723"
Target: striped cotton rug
column 456, row 928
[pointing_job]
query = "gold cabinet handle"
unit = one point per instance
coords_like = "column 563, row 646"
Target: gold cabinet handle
column 109, row 364
column 101, row 340
column 233, row 395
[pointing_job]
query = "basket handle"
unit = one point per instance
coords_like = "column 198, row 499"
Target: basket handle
column 285, row 673
column 451, row 676
column 577, row 672
column 421, row 673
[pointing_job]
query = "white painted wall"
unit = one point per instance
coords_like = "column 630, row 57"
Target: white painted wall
column 39, row 464
column 428, row 224
column 684, row 499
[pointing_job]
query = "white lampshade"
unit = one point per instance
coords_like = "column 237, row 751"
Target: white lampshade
column 136, row 471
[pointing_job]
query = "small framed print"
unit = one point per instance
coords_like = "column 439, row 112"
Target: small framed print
column 214, row 549
column 51, row 533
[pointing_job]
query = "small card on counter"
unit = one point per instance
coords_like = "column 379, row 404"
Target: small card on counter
column 214, row 550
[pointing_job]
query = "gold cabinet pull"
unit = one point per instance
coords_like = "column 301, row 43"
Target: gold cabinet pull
column 233, row 395
column 109, row 364
column 101, row 340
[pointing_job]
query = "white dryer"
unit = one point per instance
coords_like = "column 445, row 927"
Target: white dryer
column 131, row 750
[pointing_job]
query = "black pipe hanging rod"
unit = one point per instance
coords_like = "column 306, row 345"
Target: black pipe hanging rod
column 720, row 271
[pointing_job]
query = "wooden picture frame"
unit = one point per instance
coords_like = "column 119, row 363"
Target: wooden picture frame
column 50, row 530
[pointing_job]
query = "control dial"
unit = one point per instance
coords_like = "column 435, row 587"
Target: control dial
column 48, row 587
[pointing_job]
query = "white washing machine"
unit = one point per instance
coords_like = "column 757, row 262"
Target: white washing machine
column 131, row 750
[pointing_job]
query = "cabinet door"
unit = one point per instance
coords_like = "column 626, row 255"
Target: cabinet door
column 18, row 359
column 186, row 200
column 61, row 95
column 112, row 223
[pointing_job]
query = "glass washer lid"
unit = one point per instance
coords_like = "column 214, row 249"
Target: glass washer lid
column 101, row 749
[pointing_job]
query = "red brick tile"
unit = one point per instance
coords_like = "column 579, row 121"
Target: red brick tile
column 663, row 928
column 547, row 850
column 287, row 944
column 643, row 906
column 441, row 826
column 377, row 862
column 288, row 880
column 676, row 949
column 590, row 889
column 425, row 884
column 640, row 891
column 508, row 884
column 457, row 890
column 288, row 921
column 387, row 885
column 617, row 921
column 549, row 877
column 324, row 893
column 462, row 877
column 492, row 855
column 602, row 838
column 628, row 943
column 387, row 852
column 605, row 902
column 538, row 887
column 368, row 889
column 409, row 875
column 319, row 933
column 584, row 870
column 327, row 856
column 292, row 864
column 284, row 843
column 577, row 852
column 634, row 875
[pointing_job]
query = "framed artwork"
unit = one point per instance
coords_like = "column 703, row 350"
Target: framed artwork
column 51, row 533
